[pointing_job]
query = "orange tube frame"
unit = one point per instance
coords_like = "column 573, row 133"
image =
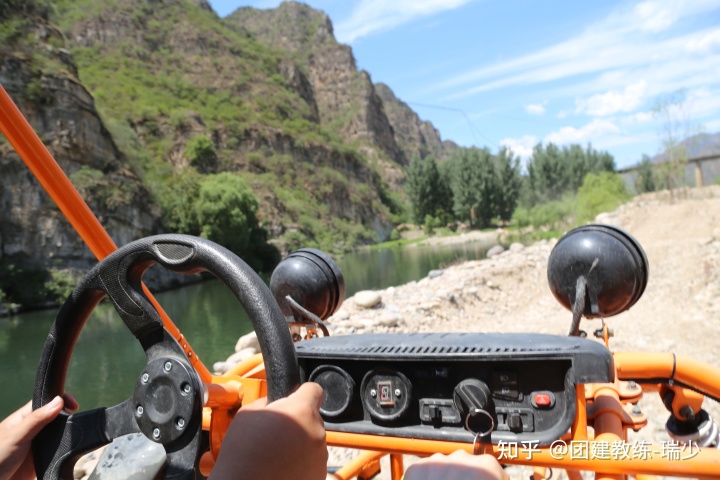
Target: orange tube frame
column 41, row 163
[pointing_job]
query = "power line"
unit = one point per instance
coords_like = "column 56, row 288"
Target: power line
column 473, row 128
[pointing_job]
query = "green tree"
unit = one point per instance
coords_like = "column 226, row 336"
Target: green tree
column 226, row 211
column 474, row 186
column 200, row 150
column 600, row 192
column 509, row 183
column 428, row 190
column 645, row 180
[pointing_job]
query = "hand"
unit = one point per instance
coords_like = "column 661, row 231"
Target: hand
column 459, row 465
column 285, row 439
column 17, row 432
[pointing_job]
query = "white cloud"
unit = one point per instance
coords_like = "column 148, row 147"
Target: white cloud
column 590, row 132
column 656, row 16
column 612, row 102
column 522, row 147
column 618, row 49
column 708, row 43
column 535, row 108
column 371, row 16
column 637, row 118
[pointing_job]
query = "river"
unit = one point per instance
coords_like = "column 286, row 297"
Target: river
column 107, row 359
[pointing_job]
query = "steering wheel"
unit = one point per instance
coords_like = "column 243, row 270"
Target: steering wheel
column 168, row 399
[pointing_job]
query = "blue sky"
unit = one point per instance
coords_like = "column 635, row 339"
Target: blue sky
column 492, row 73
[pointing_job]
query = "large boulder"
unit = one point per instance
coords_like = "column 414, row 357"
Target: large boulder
column 367, row 299
column 132, row 457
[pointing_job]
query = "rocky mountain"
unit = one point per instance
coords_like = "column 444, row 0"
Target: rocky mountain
column 140, row 99
column 415, row 137
column 34, row 236
column 698, row 145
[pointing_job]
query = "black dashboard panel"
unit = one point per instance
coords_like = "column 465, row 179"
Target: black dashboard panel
column 450, row 386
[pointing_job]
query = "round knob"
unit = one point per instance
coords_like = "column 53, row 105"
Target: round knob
column 471, row 394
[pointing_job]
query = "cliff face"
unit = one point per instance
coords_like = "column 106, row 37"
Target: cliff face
column 34, row 236
column 345, row 96
column 417, row 138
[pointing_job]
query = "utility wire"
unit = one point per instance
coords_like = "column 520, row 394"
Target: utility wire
column 473, row 129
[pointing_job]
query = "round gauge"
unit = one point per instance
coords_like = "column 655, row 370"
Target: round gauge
column 385, row 394
column 338, row 389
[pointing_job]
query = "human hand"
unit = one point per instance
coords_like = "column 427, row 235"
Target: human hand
column 459, row 465
column 17, row 432
column 284, row 439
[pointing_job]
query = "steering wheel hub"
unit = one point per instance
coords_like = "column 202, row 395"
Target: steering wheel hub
column 166, row 394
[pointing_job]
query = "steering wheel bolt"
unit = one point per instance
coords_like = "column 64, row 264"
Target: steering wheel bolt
column 156, row 434
column 145, row 377
column 186, row 388
column 180, row 422
column 168, row 366
column 140, row 410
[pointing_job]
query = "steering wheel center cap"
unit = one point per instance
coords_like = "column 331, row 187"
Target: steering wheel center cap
column 166, row 398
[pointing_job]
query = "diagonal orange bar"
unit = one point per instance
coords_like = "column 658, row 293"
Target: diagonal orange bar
column 41, row 163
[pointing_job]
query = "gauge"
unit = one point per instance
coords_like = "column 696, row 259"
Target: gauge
column 385, row 394
column 338, row 389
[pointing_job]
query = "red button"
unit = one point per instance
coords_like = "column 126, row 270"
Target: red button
column 542, row 399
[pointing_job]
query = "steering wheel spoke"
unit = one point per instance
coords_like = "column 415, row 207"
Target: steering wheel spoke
column 70, row 436
column 182, row 459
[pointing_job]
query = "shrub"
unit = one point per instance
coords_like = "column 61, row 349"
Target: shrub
column 200, row 150
column 600, row 192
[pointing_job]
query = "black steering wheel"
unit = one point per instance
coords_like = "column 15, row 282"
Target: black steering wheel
column 167, row 403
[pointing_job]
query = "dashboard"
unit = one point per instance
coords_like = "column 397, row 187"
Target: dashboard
column 453, row 386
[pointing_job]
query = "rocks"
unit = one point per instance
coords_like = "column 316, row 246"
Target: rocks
column 434, row 273
column 241, row 355
column 247, row 341
column 367, row 299
column 132, row 457
column 516, row 247
column 494, row 251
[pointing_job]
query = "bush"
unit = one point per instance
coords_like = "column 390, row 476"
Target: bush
column 394, row 235
column 60, row 285
column 200, row 150
column 431, row 223
column 600, row 192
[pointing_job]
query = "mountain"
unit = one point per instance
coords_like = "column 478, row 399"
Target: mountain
column 142, row 101
column 698, row 145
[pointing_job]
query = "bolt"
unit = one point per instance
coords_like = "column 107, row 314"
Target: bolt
column 636, row 411
column 140, row 410
column 296, row 337
column 687, row 412
column 373, row 393
column 168, row 366
column 156, row 434
column 398, row 393
column 186, row 388
column 145, row 378
column 180, row 422
column 631, row 385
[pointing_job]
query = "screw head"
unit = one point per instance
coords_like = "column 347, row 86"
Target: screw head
column 636, row 410
column 140, row 410
column 168, row 366
column 180, row 422
column 186, row 388
column 156, row 433
column 398, row 393
column 631, row 385
column 145, row 377
column 373, row 393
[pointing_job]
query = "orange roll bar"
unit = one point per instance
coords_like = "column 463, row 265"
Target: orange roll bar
column 355, row 466
column 41, row 163
column 685, row 370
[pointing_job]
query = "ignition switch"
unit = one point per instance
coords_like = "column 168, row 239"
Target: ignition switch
column 472, row 398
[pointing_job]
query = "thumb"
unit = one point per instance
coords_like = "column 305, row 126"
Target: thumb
column 35, row 421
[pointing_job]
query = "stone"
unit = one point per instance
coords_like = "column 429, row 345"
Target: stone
column 340, row 317
column 241, row 355
column 132, row 457
column 517, row 247
column 221, row 367
column 367, row 299
column 434, row 273
column 248, row 341
column 388, row 320
column 496, row 250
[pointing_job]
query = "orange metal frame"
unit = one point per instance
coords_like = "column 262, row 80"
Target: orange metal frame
column 607, row 408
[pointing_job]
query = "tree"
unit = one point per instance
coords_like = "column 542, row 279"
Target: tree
column 428, row 189
column 509, row 183
column 645, row 180
column 474, row 186
column 200, row 150
column 600, row 192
